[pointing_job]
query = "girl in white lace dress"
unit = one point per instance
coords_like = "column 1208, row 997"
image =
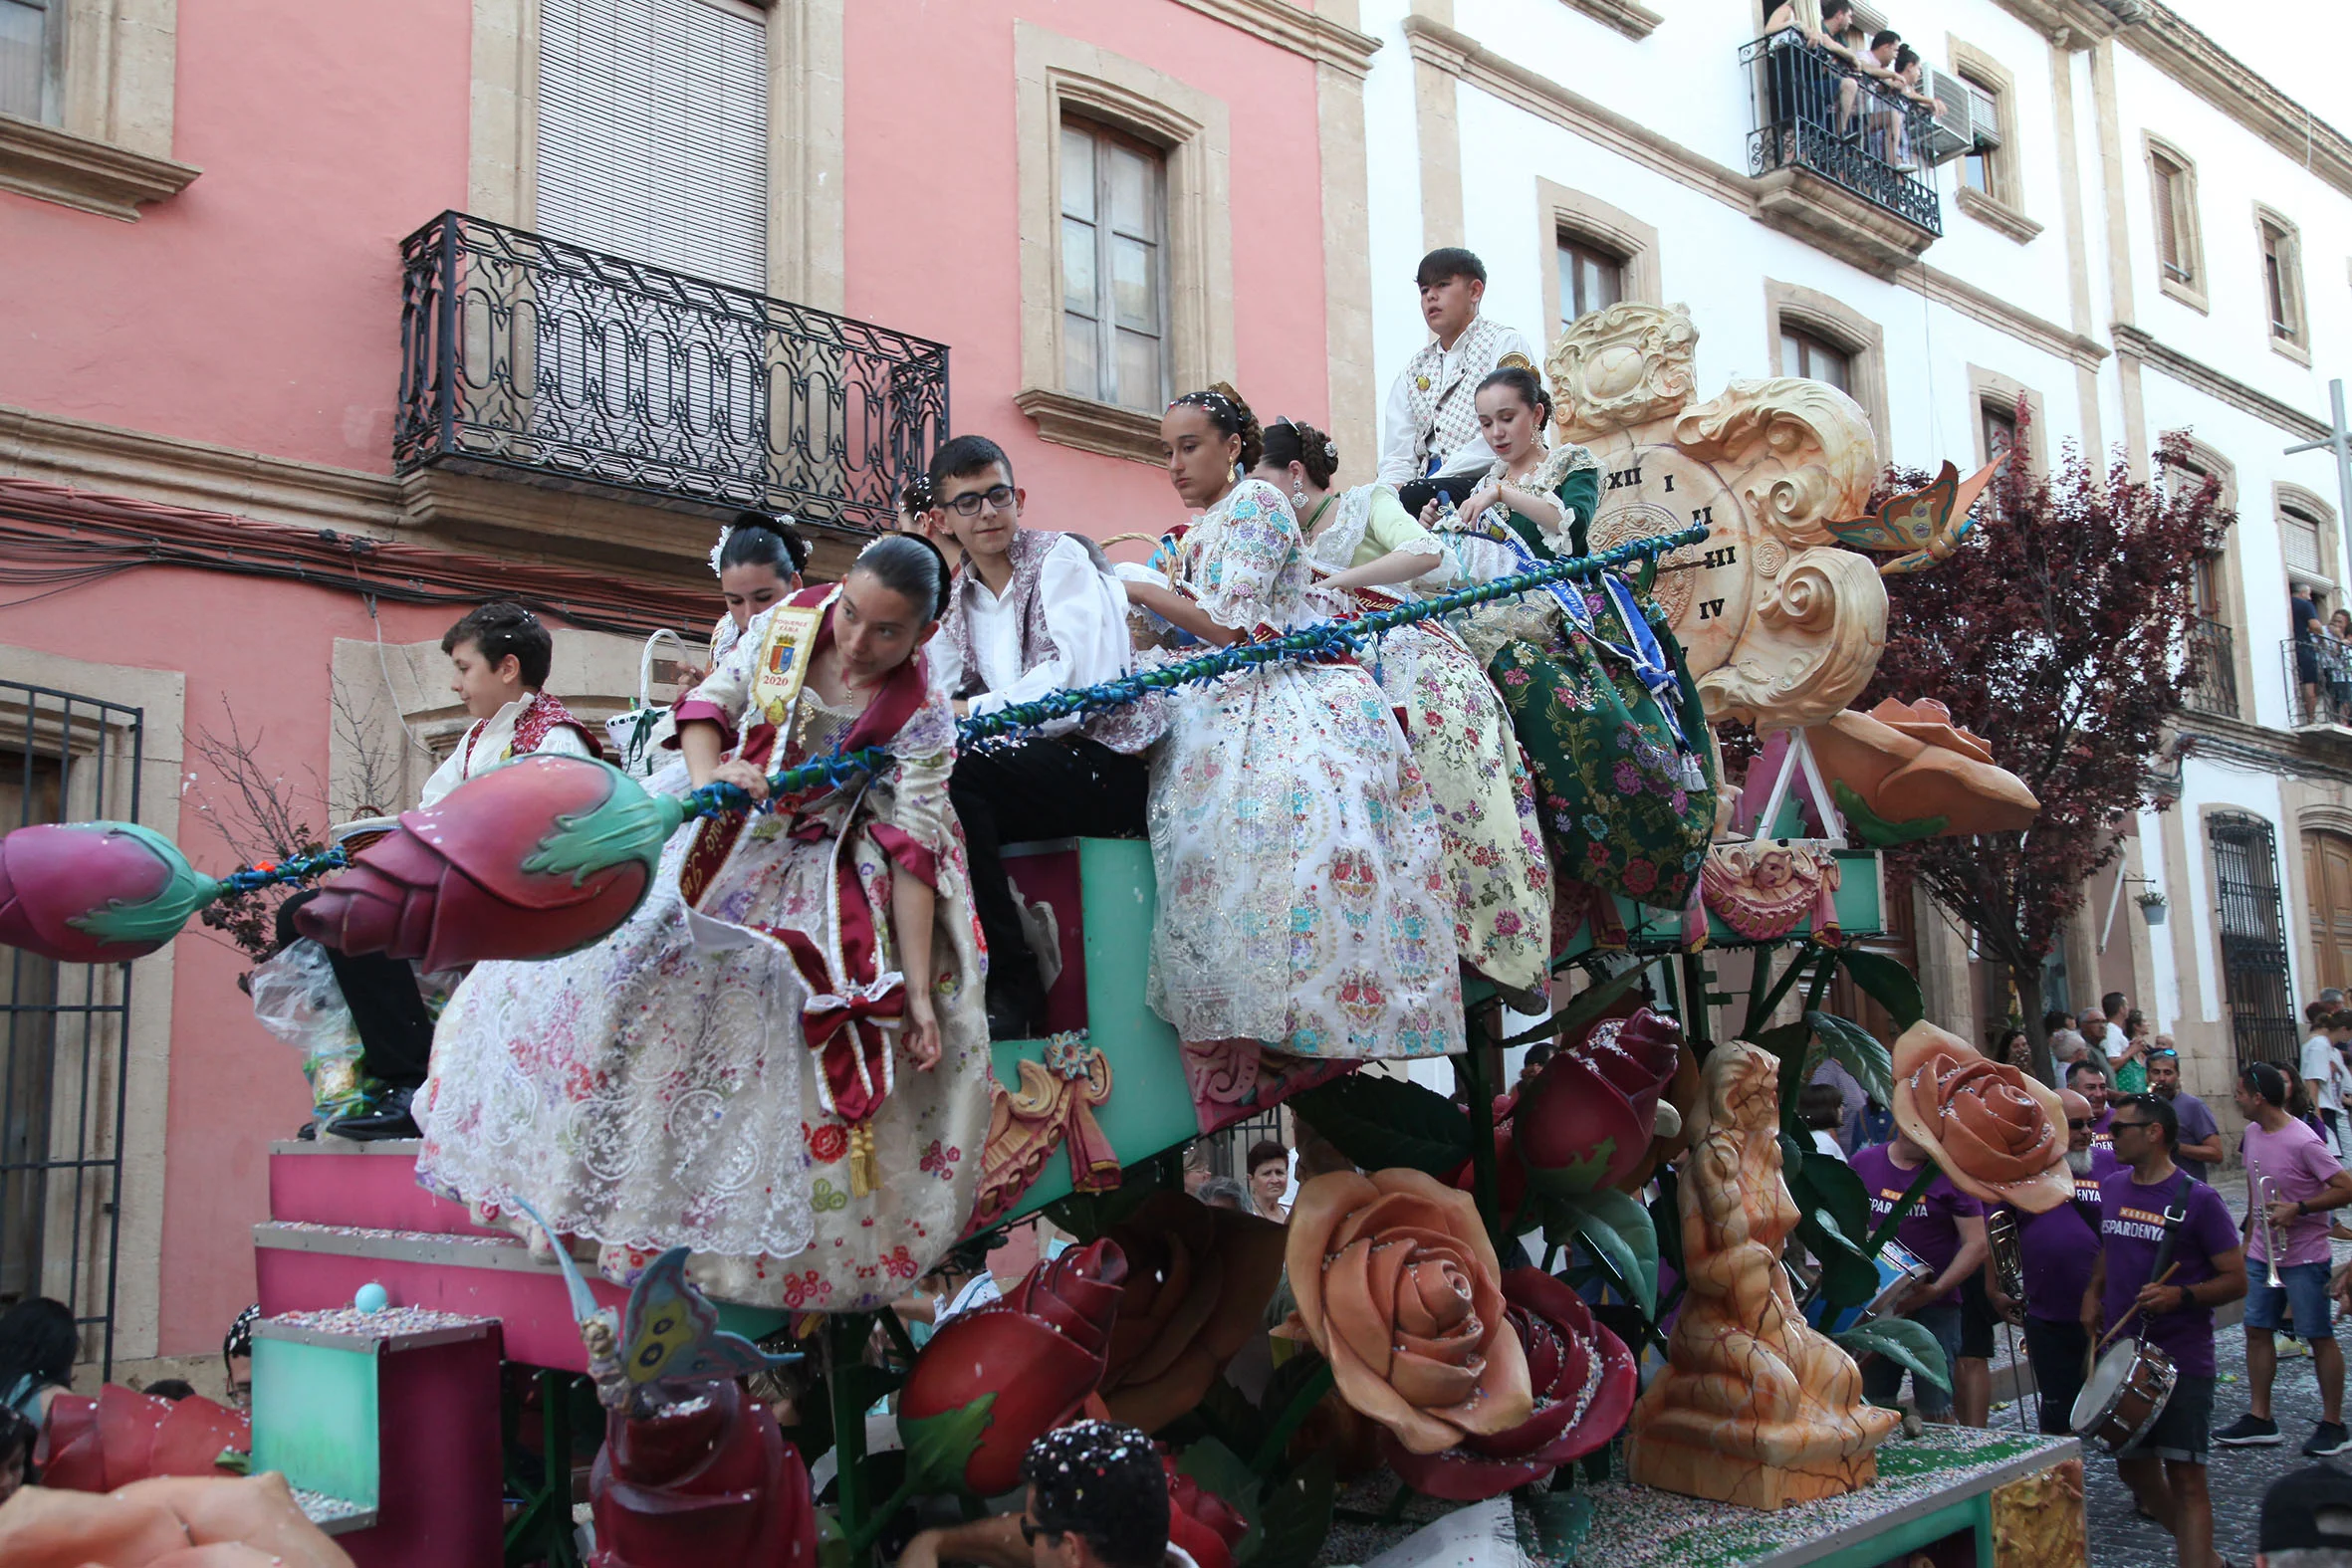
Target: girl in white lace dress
column 1302, row 898
column 729, row 1071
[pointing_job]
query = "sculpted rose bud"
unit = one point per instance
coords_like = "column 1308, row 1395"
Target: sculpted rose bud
column 1039, row 1351
column 530, row 860
column 1396, row 1285
column 1586, row 1121
column 124, row 1436
column 1995, row 1131
column 1585, row 1383
column 95, row 892
column 1204, row 1525
column 1197, row 1281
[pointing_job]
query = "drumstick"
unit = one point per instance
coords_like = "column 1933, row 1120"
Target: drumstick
column 2124, row 1321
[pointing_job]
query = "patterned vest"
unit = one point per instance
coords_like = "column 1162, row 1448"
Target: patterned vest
column 1130, row 729
column 1445, row 410
column 543, row 714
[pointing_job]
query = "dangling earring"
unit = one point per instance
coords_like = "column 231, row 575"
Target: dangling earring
column 1298, row 498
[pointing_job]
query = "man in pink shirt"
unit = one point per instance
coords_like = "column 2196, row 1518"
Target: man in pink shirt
column 2301, row 1181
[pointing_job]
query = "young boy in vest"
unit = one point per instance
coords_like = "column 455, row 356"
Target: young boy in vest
column 498, row 658
column 1430, row 423
column 1028, row 612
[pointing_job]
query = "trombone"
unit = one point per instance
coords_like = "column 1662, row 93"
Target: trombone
column 2265, row 1193
column 2008, row 1266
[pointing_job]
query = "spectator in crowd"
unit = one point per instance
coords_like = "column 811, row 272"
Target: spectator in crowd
column 1824, row 1111
column 1533, row 1063
column 1196, row 1166
column 2306, row 1520
column 173, row 1389
column 2057, row 1249
column 2126, row 1072
column 1852, row 1102
column 2333, row 997
column 1222, row 1192
column 2321, row 1067
column 1944, row 1229
column 2201, row 1135
column 2302, row 613
column 2088, row 1079
column 38, row 1344
column 2055, row 1019
column 1098, row 1498
column 2067, row 1047
column 2014, row 1045
column 1269, row 1179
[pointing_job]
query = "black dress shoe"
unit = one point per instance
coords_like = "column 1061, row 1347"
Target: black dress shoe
column 389, row 1119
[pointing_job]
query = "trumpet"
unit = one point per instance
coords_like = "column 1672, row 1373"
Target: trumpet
column 2265, row 1193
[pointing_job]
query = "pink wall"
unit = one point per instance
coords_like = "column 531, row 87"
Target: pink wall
column 234, row 1086
column 933, row 242
column 259, row 308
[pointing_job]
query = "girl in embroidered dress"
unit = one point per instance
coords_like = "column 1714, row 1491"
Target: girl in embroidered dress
column 722, row 1073
column 1362, row 544
column 1302, row 898
column 758, row 561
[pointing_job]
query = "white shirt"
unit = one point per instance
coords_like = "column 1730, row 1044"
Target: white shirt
column 493, row 743
column 979, row 1291
column 1085, row 620
column 1398, row 461
column 2319, row 1063
column 1826, row 1143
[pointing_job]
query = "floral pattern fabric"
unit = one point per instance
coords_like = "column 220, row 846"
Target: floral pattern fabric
column 655, row 1090
column 1302, row 895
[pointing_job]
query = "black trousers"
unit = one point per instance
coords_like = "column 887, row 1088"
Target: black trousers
column 2054, row 1351
column 395, row 1031
column 1064, row 786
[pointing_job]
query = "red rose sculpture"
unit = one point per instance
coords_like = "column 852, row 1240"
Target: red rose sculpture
column 1585, row 1383
column 1586, row 1121
column 530, row 860
column 124, row 1436
column 1035, row 1356
column 710, row 1481
column 1197, row 1281
column 95, row 892
column 1200, row 1523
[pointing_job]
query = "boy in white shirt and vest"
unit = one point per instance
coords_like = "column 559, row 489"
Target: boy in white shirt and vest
column 1430, row 423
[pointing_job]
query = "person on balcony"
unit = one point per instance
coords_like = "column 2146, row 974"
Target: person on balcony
column 1302, row 897
column 1805, row 71
column 2302, row 611
column 793, row 1012
column 1031, row 612
column 2336, row 661
column 1430, row 427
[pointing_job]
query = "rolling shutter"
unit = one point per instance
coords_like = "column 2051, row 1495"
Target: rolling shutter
column 654, row 134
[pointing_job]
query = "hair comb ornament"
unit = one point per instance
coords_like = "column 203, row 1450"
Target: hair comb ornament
column 726, row 531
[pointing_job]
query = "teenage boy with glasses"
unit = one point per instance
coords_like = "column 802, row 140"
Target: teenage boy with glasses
column 2201, row 1135
column 2171, row 1310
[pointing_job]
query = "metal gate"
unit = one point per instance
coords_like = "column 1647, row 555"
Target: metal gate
column 64, row 758
column 2253, row 927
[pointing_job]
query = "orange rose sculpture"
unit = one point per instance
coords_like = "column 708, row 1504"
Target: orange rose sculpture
column 1398, row 1287
column 1909, row 761
column 1997, row 1133
column 1197, row 1281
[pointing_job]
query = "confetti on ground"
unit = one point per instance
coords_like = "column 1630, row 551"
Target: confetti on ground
column 385, row 1324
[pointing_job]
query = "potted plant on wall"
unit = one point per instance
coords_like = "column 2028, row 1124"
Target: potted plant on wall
column 2151, row 904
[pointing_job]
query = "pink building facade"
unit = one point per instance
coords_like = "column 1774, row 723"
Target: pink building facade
column 1022, row 218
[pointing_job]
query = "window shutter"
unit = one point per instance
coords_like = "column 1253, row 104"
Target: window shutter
column 2301, row 536
column 2168, row 237
column 654, row 134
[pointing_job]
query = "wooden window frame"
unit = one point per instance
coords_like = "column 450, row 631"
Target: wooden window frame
column 1565, row 214
column 1840, row 326
column 51, row 108
column 2001, row 208
column 2188, row 230
column 1567, row 243
column 2277, row 235
column 1107, row 329
column 110, row 149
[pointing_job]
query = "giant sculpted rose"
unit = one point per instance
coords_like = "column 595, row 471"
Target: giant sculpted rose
column 1397, row 1286
column 1036, row 1354
column 1197, row 1281
column 530, row 860
column 1998, row 1134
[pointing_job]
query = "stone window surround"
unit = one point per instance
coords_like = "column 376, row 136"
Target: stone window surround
column 1841, row 326
column 2004, row 208
column 2296, row 343
column 2228, row 584
column 112, row 152
column 1563, row 211
column 2191, row 293
column 1991, row 389
column 1055, row 74
column 2310, row 504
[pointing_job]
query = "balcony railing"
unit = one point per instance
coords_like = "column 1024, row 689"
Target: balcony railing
column 2318, row 682
column 2215, row 648
column 537, row 358
column 1812, row 112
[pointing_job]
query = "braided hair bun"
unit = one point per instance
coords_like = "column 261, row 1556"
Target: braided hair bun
column 1290, row 441
column 1227, row 410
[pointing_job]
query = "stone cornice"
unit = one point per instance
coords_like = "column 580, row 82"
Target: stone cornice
column 2203, row 67
column 2196, row 372
column 1459, row 55
column 1066, row 419
column 194, row 473
column 2070, row 24
column 1998, row 217
column 97, row 176
column 1630, row 16
column 1286, row 26
column 1959, row 294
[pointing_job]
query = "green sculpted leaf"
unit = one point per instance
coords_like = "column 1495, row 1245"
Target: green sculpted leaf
column 629, row 824
column 1859, row 1052
column 1561, row 1520
column 1296, row 1515
column 1381, row 1123
column 1874, row 829
column 1220, row 1472
column 1617, row 1232
column 939, row 1446
column 1900, row 1340
column 1886, row 983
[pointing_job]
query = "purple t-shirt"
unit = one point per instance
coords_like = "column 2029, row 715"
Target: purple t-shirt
column 2061, row 1246
column 1929, row 1230
column 2197, row 1125
column 2103, row 1134
column 2298, row 1166
column 2130, row 1226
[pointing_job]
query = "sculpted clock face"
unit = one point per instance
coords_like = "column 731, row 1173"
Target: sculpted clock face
column 1707, row 590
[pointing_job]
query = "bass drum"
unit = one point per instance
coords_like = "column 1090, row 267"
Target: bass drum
column 2127, row 1391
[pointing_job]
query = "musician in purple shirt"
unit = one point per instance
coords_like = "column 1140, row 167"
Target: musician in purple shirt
column 2058, row 1248
column 1944, row 1229
column 2171, row 1309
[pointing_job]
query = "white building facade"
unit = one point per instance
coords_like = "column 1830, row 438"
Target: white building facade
column 2130, row 228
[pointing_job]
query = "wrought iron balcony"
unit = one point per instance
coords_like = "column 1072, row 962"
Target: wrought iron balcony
column 2318, row 682
column 2215, row 647
column 1814, row 113
column 543, row 360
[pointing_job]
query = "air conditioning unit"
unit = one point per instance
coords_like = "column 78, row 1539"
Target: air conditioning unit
column 1951, row 133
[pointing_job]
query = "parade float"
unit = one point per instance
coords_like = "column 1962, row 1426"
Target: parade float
column 1612, row 1316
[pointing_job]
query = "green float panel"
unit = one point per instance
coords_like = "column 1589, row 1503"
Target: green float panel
column 315, row 1418
column 1861, row 911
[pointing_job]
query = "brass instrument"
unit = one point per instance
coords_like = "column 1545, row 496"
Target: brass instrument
column 2265, row 1192
column 2008, row 1256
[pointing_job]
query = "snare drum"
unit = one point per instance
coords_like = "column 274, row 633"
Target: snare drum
column 2127, row 1391
column 1899, row 1269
